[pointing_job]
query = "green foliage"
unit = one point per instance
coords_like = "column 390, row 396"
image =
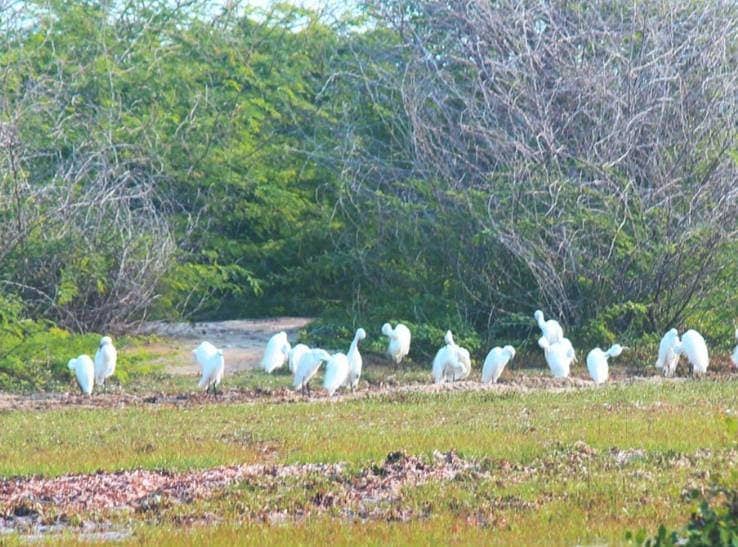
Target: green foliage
column 617, row 322
column 34, row 354
column 284, row 166
column 709, row 525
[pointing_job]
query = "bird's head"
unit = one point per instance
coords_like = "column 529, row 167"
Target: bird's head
column 360, row 334
column 72, row 364
column 387, row 329
column 672, row 333
column 510, row 350
column 538, row 315
column 448, row 338
column 615, row 350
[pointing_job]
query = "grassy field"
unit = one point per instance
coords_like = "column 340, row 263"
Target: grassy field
column 566, row 466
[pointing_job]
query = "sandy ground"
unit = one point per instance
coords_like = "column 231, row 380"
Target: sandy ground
column 242, row 340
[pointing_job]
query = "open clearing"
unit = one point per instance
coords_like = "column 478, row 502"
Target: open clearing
column 242, row 340
column 531, row 460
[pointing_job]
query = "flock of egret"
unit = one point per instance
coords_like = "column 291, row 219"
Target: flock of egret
column 451, row 363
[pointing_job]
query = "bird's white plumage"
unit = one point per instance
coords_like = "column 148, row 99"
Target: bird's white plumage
column 734, row 357
column 336, row 372
column 355, row 360
column 559, row 356
column 84, row 372
column 668, row 355
column 597, row 364
column 550, row 329
column 399, row 341
column 212, row 365
column 295, row 355
column 569, row 349
column 495, row 363
column 106, row 357
column 694, row 348
column 276, row 352
column 308, row 366
column 451, row 362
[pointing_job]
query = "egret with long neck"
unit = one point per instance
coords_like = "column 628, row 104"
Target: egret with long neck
column 597, row 364
column 354, row 358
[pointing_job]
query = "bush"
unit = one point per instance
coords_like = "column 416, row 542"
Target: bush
column 708, row 526
column 35, row 354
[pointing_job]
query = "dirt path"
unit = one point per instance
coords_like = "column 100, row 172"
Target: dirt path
column 242, row 340
column 522, row 382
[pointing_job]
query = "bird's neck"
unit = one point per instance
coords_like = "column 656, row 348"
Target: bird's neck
column 354, row 345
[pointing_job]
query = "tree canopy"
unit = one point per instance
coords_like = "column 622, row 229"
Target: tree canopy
column 445, row 163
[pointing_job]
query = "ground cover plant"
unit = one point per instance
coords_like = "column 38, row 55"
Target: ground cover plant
column 562, row 463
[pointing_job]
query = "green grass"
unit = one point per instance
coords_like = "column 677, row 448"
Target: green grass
column 565, row 501
column 668, row 417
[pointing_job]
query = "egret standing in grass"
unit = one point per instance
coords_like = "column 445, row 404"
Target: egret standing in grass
column 451, row 362
column 734, row 357
column 212, row 366
column 336, row 372
column 495, row 363
column 694, row 348
column 295, row 355
column 559, row 356
column 597, row 362
column 355, row 360
column 668, row 358
column 308, row 367
column 105, row 359
column 276, row 353
column 399, row 341
column 550, row 329
column 84, row 372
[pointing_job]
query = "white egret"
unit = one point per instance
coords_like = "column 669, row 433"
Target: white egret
column 307, row 367
column 734, row 357
column 355, row 360
column 693, row 347
column 336, row 372
column 495, row 363
column 84, row 372
column 276, row 352
column 597, row 362
column 295, row 355
column 399, row 341
column 559, row 356
column 212, row 365
column 550, row 329
column 451, row 362
column 105, row 359
column 668, row 355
